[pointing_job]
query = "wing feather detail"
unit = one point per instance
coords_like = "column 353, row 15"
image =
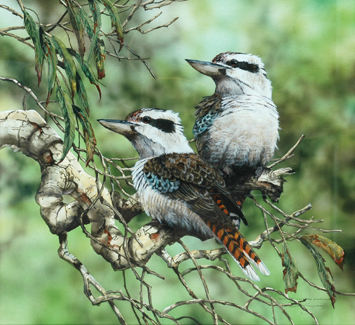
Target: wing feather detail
column 190, row 179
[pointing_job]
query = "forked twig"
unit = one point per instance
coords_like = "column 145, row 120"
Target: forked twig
column 289, row 154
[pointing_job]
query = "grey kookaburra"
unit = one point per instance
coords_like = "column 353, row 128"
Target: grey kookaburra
column 178, row 188
column 236, row 128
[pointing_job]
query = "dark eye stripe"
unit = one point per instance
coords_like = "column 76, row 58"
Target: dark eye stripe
column 254, row 68
column 166, row 126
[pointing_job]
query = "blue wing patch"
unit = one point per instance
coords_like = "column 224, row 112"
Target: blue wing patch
column 202, row 124
column 160, row 184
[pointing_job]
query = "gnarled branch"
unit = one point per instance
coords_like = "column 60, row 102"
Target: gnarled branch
column 27, row 132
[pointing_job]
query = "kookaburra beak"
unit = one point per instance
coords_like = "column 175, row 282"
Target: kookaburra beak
column 122, row 127
column 209, row 68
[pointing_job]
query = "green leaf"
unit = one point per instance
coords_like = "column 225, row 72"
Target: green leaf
column 87, row 22
column 91, row 76
column 52, row 62
column 65, row 104
column 323, row 272
column 89, row 135
column 85, row 67
column 68, row 61
column 290, row 272
column 42, row 41
column 115, row 20
column 34, row 33
column 81, row 92
column 96, row 14
column 77, row 24
column 331, row 247
column 99, row 55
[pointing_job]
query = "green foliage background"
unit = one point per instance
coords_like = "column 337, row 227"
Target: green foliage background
column 308, row 47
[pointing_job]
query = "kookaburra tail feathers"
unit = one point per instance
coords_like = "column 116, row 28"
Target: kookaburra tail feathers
column 177, row 187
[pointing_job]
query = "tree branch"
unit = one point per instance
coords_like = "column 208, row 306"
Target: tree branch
column 27, row 132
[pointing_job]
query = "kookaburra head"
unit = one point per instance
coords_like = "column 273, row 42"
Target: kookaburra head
column 236, row 74
column 152, row 131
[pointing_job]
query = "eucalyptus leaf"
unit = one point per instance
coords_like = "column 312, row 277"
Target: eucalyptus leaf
column 34, row 34
column 323, row 272
column 66, row 107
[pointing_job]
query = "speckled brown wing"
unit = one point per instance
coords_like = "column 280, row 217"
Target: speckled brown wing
column 186, row 167
column 199, row 184
column 208, row 104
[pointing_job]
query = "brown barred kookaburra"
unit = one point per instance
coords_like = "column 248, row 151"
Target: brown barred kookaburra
column 177, row 188
column 236, row 128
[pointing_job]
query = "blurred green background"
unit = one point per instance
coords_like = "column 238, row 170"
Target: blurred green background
column 308, row 47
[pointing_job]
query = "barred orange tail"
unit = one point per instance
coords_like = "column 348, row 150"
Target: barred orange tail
column 238, row 248
column 233, row 214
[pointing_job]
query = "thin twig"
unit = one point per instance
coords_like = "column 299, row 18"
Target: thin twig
column 289, row 153
column 215, row 319
column 14, row 12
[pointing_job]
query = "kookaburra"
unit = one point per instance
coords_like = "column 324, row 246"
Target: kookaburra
column 177, row 188
column 236, row 128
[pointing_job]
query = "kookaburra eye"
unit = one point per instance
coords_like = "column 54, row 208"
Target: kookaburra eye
column 146, row 119
column 233, row 63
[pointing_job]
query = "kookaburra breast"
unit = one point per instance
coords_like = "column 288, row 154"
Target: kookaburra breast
column 238, row 125
column 178, row 188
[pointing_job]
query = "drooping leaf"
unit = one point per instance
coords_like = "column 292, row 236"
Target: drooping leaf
column 331, row 247
column 81, row 92
column 99, row 55
column 290, row 271
column 323, row 272
column 34, row 33
column 85, row 67
column 66, row 107
column 88, row 131
column 52, row 62
column 115, row 20
column 42, row 37
column 68, row 61
column 77, row 24
column 91, row 76
column 87, row 22
column 95, row 10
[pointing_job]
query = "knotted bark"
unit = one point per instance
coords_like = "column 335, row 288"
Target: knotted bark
column 27, row 132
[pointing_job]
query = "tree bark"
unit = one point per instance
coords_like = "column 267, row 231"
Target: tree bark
column 27, row 132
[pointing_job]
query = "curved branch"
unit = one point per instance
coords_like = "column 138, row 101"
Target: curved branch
column 27, row 132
